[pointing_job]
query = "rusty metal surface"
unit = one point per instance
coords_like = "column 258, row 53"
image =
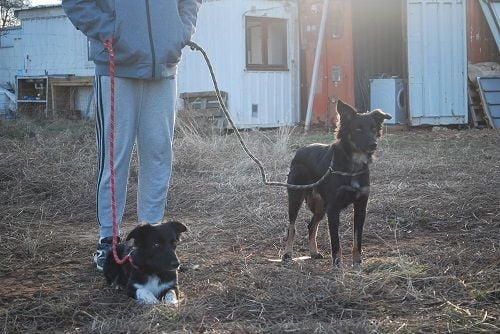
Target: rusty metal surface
column 336, row 78
column 481, row 45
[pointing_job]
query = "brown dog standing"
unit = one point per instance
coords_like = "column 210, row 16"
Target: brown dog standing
column 349, row 183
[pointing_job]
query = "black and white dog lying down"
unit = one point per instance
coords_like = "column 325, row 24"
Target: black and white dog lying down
column 151, row 276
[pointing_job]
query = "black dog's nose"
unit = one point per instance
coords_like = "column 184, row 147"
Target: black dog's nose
column 373, row 146
column 175, row 264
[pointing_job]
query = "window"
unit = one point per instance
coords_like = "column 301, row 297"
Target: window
column 266, row 44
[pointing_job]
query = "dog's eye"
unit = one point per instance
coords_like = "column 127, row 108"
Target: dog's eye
column 156, row 245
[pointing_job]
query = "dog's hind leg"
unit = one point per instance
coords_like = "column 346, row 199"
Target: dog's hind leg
column 313, row 232
column 317, row 207
column 290, row 236
column 295, row 200
column 359, row 221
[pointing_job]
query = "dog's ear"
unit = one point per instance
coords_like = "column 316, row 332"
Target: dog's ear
column 380, row 116
column 347, row 114
column 138, row 232
column 178, row 227
column 345, row 111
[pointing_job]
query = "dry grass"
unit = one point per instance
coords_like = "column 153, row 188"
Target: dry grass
column 431, row 256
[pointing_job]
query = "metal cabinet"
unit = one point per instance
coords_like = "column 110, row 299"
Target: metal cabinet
column 388, row 95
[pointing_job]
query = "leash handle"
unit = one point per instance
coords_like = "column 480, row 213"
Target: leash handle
column 108, row 44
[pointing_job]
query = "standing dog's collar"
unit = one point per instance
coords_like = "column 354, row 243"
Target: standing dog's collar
column 336, row 172
column 332, row 171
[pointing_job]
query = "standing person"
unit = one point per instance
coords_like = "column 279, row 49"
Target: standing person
column 147, row 38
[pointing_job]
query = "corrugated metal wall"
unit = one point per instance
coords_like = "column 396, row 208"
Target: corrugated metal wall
column 10, row 55
column 221, row 32
column 437, row 62
column 52, row 45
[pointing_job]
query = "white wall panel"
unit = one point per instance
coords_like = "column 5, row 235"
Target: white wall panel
column 51, row 45
column 437, row 62
column 221, row 32
column 46, row 44
column 10, row 56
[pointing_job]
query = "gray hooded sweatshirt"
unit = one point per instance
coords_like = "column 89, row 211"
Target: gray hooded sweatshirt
column 147, row 35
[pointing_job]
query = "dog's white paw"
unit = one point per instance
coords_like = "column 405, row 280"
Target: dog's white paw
column 144, row 296
column 170, row 298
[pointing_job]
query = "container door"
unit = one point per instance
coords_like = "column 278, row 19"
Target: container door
column 437, row 62
column 335, row 77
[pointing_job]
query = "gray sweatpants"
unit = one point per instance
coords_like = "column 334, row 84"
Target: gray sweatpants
column 145, row 116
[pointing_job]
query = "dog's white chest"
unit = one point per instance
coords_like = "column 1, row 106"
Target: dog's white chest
column 148, row 292
column 360, row 158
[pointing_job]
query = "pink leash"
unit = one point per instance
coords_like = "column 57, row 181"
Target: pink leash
column 109, row 48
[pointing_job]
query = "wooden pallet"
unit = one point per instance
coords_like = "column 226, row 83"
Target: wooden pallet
column 202, row 110
column 476, row 110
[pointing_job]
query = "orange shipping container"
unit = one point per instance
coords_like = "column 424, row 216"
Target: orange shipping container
column 335, row 77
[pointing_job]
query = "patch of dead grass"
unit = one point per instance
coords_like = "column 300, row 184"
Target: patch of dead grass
column 431, row 260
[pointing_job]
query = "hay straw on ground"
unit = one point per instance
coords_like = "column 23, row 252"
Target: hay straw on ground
column 431, row 260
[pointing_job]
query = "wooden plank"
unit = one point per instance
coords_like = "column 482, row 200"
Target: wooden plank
column 474, row 117
column 201, row 94
column 475, row 109
column 203, row 112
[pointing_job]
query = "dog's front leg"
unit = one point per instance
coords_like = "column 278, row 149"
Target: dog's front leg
column 359, row 221
column 170, row 298
column 333, row 226
column 144, row 296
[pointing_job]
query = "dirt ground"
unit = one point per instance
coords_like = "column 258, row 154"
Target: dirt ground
column 431, row 258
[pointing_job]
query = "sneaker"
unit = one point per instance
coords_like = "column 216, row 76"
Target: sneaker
column 101, row 253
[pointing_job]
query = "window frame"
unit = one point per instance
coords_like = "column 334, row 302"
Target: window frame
column 265, row 23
